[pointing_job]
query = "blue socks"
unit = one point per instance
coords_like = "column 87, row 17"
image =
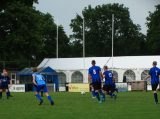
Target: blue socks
column 41, row 101
column 100, row 97
column 111, row 94
column 7, row 94
column 38, row 97
column 49, row 98
column 97, row 96
column 93, row 93
column 155, row 97
column 102, row 94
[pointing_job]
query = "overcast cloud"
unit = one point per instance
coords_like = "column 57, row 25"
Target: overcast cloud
column 65, row 10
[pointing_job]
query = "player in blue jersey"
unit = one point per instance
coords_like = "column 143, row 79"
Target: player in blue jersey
column 95, row 76
column 154, row 73
column 40, row 84
column 109, row 85
column 4, row 81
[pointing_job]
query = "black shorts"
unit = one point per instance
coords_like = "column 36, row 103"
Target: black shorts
column 154, row 87
column 96, row 85
column 91, row 84
column 108, row 88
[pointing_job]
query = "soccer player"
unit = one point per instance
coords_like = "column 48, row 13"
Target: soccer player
column 40, row 84
column 9, row 93
column 95, row 75
column 154, row 73
column 109, row 85
column 4, row 79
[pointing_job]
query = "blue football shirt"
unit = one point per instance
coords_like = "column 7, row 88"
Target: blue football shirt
column 39, row 79
column 5, row 80
column 154, row 73
column 94, row 71
column 108, row 77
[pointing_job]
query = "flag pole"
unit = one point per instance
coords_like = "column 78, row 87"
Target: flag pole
column 57, row 41
column 112, row 39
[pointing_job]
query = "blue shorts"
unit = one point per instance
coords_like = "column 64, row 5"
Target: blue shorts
column 41, row 88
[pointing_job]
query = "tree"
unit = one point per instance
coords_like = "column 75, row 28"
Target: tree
column 49, row 36
column 19, row 31
column 26, row 33
column 98, row 29
column 153, row 32
column 64, row 46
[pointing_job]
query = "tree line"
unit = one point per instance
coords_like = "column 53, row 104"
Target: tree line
column 28, row 35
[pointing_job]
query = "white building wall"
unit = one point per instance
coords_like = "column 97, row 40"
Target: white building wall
column 120, row 72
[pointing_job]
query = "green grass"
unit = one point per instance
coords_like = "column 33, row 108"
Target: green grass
column 129, row 105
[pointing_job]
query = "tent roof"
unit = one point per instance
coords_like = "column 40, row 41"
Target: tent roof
column 43, row 70
column 129, row 62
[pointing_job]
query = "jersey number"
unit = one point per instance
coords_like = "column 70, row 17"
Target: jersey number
column 94, row 71
column 110, row 74
column 156, row 73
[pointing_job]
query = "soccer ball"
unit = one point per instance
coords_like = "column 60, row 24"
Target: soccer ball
column 82, row 92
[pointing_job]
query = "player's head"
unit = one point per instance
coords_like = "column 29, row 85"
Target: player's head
column 93, row 62
column 5, row 73
column 105, row 67
column 34, row 69
column 154, row 63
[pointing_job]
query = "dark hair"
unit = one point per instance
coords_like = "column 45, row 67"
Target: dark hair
column 105, row 67
column 154, row 63
column 93, row 62
column 34, row 69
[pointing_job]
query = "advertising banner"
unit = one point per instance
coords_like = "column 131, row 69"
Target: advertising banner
column 122, row 87
column 17, row 88
column 78, row 87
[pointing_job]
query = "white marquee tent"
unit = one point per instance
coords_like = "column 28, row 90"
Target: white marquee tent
column 75, row 70
column 125, row 62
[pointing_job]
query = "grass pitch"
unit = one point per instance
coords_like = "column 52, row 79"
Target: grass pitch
column 129, row 105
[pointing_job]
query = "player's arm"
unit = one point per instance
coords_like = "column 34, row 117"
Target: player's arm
column 104, row 76
column 34, row 80
column 101, row 75
column 89, row 77
column 148, row 76
column 10, row 81
column 159, row 73
column 43, row 78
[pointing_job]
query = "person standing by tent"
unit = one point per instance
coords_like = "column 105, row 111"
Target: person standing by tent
column 95, row 75
column 40, row 84
column 154, row 73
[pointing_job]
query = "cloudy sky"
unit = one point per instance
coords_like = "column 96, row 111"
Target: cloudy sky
column 65, row 10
